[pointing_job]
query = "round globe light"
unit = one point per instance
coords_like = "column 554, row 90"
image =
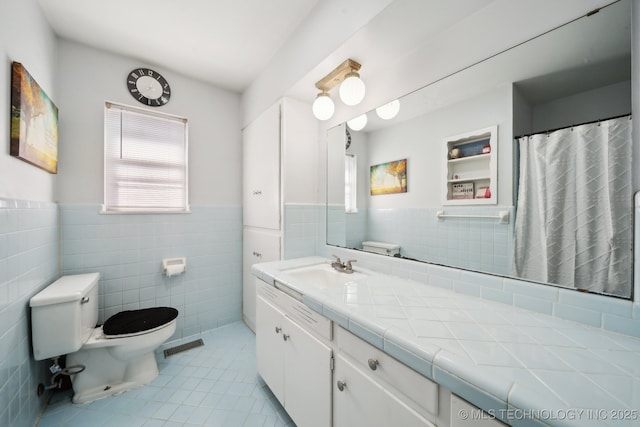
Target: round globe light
column 352, row 89
column 323, row 107
column 388, row 111
column 358, row 123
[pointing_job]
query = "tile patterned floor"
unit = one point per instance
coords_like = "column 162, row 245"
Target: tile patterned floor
column 213, row 385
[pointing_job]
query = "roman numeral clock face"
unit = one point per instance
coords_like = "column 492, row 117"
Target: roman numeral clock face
column 148, row 87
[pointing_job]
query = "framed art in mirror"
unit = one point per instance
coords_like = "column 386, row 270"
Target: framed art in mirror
column 389, row 178
column 34, row 122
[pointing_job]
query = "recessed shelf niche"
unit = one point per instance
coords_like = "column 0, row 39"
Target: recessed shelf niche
column 471, row 168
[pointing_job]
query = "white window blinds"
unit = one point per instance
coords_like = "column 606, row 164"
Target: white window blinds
column 145, row 161
column 350, row 183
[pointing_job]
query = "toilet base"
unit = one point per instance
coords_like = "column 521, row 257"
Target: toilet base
column 105, row 376
column 91, row 395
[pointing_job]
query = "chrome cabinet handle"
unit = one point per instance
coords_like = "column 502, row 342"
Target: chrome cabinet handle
column 285, row 336
column 341, row 385
column 278, row 329
column 373, row 364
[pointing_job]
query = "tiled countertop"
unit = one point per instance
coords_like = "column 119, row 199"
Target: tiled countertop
column 523, row 367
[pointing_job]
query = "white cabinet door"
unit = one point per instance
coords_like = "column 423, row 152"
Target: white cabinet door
column 307, row 378
column 269, row 346
column 261, row 171
column 360, row 401
column 257, row 246
column 295, row 365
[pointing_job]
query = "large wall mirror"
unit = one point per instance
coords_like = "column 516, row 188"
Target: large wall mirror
column 533, row 100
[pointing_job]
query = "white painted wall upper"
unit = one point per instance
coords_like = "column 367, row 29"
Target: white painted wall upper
column 89, row 77
column 299, row 156
column 25, row 37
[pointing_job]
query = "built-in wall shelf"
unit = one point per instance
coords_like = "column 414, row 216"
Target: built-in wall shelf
column 474, row 158
column 473, row 178
column 471, row 168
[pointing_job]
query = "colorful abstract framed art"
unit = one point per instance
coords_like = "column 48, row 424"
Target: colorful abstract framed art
column 34, row 122
column 389, row 178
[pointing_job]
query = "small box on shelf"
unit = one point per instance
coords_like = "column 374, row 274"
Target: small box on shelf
column 463, row 190
column 483, row 193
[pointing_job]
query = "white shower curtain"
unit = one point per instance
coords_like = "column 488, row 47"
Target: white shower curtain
column 574, row 213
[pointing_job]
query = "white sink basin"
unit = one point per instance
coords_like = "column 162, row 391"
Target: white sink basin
column 321, row 276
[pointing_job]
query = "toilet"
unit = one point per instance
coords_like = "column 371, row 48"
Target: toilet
column 106, row 359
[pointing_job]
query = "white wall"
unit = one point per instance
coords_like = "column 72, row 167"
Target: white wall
column 25, row 37
column 300, row 165
column 360, row 148
column 602, row 103
column 89, row 77
column 335, row 165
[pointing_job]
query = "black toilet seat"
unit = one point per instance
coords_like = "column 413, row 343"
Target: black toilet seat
column 137, row 321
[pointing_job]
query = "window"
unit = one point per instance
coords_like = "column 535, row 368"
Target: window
column 145, row 161
column 350, row 181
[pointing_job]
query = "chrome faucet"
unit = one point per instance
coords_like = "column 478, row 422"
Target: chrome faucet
column 345, row 267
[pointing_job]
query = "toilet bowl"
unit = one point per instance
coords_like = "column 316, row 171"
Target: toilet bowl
column 106, row 359
column 117, row 363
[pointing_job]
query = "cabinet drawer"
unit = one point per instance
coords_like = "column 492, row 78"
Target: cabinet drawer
column 417, row 388
column 359, row 400
column 296, row 310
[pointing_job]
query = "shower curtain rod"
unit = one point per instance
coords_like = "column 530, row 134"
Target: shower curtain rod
column 572, row 126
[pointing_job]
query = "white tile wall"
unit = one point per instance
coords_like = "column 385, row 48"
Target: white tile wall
column 476, row 244
column 127, row 251
column 301, row 225
column 614, row 314
column 609, row 313
column 28, row 263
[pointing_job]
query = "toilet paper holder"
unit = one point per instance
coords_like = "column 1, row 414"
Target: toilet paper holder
column 173, row 266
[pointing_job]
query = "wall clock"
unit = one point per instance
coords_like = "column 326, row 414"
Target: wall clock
column 148, row 87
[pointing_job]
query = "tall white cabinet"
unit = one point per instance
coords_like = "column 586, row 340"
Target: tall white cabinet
column 279, row 152
column 261, row 171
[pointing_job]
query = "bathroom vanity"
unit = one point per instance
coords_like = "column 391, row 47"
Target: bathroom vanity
column 377, row 350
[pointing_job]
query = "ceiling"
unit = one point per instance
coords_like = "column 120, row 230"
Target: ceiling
column 229, row 43
column 224, row 42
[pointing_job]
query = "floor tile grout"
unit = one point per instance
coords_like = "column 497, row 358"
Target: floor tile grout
column 213, row 385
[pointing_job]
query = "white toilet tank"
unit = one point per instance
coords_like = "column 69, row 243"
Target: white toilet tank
column 63, row 315
column 390, row 249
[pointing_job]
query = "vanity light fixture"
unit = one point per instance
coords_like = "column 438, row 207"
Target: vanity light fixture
column 388, row 111
column 352, row 89
column 358, row 123
column 323, row 107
